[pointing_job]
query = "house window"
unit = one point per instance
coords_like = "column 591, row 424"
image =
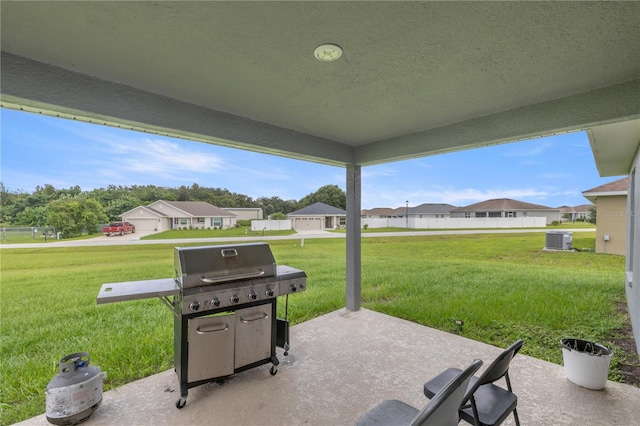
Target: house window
column 495, row 214
column 217, row 222
column 511, row 214
column 342, row 221
column 467, row 214
column 481, row 214
column 200, row 220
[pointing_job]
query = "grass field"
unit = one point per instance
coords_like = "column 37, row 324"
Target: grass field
column 503, row 286
column 214, row 233
column 25, row 235
column 564, row 225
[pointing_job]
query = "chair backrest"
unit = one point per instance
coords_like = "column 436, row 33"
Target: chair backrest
column 443, row 408
column 497, row 369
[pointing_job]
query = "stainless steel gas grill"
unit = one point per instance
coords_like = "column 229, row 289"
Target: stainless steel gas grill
column 224, row 303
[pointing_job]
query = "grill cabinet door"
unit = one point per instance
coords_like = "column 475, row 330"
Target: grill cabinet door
column 211, row 341
column 253, row 335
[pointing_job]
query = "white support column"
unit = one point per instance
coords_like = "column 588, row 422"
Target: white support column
column 354, row 261
column 632, row 284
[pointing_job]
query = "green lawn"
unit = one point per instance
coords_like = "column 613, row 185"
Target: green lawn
column 503, row 286
column 564, row 225
column 26, row 237
column 213, row 233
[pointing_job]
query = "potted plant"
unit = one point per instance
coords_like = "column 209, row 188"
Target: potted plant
column 586, row 363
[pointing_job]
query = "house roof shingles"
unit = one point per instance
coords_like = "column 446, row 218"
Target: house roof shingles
column 429, row 208
column 582, row 208
column 620, row 185
column 196, row 209
column 380, row 211
column 502, row 204
column 318, row 209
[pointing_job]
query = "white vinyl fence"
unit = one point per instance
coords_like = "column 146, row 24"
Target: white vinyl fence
column 456, row 222
column 271, row 225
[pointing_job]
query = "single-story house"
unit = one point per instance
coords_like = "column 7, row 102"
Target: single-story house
column 245, row 213
column 426, row 210
column 431, row 210
column 583, row 211
column 318, row 216
column 611, row 215
column 505, row 207
column 165, row 215
column 380, row 213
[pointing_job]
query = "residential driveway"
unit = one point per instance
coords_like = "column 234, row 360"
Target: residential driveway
column 135, row 238
column 126, row 237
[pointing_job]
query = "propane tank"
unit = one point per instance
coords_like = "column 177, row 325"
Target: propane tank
column 76, row 392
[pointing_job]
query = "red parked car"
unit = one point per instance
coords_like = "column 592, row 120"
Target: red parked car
column 118, row 228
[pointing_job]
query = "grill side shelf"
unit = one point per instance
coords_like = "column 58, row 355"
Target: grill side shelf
column 136, row 290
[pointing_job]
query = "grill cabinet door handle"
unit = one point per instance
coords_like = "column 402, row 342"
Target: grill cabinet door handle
column 209, row 330
column 247, row 321
column 256, row 274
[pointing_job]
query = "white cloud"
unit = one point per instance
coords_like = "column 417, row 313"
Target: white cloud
column 527, row 150
column 557, row 175
column 162, row 156
column 378, row 171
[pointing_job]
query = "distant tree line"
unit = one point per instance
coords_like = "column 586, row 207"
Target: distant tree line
column 72, row 210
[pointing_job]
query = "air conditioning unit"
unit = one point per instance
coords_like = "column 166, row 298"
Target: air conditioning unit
column 559, row 240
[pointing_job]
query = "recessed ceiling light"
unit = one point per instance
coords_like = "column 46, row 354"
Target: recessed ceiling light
column 327, row 52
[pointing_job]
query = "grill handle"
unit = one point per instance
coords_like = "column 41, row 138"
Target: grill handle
column 256, row 274
column 209, row 330
column 261, row 317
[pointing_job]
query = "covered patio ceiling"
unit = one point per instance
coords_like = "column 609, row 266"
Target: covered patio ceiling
column 414, row 79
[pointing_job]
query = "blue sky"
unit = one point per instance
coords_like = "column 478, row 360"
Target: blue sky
column 38, row 150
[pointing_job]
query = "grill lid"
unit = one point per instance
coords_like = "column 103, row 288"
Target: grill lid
column 210, row 265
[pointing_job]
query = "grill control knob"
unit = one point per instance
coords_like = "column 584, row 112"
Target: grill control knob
column 269, row 292
column 235, row 299
column 215, row 302
column 293, row 288
column 194, row 306
column 253, row 296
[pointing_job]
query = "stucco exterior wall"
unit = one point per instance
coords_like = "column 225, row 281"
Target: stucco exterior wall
column 245, row 213
column 632, row 282
column 611, row 213
column 167, row 210
column 145, row 219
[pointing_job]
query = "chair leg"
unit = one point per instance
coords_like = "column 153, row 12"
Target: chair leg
column 476, row 419
column 506, row 378
column 515, row 415
column 515, row 411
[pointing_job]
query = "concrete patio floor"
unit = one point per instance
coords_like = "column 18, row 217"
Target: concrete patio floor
column 342, row 364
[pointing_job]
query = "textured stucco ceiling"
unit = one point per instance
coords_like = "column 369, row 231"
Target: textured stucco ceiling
column 416, row 78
